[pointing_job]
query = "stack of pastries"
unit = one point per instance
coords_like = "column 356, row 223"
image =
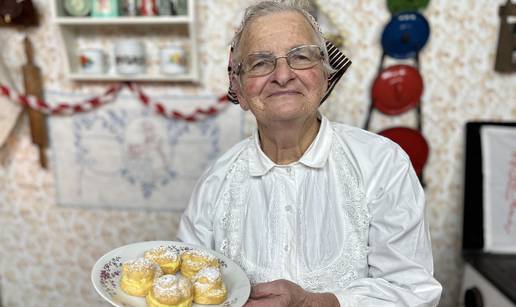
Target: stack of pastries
column 154, row 277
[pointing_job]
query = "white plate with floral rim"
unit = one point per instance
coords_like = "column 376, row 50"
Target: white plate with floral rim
column 106, row 274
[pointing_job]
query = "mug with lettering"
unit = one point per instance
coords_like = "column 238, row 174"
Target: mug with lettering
column 130, row 57
column 173, row 60
column 92, row 61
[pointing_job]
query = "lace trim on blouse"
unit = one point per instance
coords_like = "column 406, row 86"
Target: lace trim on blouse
column 350, row 265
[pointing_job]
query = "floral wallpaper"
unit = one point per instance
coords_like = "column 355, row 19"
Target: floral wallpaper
column 47, row 251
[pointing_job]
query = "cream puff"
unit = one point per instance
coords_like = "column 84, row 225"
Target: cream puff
column 208, row 286
column 170, row 291
column 193, row 261
column 138, row 276
column 166, row 257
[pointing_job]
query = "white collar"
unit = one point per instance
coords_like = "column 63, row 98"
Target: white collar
column 315, row 156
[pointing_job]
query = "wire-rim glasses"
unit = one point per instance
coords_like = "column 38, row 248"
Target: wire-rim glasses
column 263, row 63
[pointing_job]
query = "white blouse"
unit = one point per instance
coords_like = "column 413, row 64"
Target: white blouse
column 347, row 218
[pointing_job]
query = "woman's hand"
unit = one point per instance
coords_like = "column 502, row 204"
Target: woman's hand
column 284, row 293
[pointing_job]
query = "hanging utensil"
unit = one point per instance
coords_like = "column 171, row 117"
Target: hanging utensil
column 413, row 143
column 405, row 35
column 397, row 89
column 34, row 86
column 506, row 49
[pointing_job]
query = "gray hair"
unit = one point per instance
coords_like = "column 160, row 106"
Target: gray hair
column 265, row 8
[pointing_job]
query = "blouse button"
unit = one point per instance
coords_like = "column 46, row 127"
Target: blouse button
column 286, row 248
column 288, row 208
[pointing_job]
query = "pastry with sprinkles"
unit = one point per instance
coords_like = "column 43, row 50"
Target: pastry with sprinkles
column 138, row 276
column 208, row 287
column 170, row 291
column 193, row 261
column 166, row 257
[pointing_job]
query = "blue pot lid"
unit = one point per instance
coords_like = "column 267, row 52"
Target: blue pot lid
column 405, row 35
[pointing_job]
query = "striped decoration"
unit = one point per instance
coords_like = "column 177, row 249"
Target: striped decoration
column 64, row 108
column 198, row 114
column 61, row 108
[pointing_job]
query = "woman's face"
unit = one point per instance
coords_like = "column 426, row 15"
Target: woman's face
column 285, row 94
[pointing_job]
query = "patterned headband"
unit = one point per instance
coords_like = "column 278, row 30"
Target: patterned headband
column 338, row 61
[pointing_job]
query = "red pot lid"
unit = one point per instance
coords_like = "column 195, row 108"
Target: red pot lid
column 397, row 89
column 412, row 142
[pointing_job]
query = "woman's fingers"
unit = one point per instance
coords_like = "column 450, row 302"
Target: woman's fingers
column 263, row 290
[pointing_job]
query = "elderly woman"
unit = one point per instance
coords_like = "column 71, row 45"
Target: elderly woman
column 316, row 213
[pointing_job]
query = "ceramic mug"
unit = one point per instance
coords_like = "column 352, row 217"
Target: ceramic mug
column 105, row 8
column 181, row 7
column 92, row 61
column 130, row 57
column 173, row 60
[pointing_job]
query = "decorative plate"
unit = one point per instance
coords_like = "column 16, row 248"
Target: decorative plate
column 106, row 274
column 77, row 7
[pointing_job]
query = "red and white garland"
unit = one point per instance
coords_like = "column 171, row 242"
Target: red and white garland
column 198, row 114
column 62, row 108
column 109, row 95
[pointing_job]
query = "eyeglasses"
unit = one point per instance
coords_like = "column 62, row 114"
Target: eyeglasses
column 263, row 63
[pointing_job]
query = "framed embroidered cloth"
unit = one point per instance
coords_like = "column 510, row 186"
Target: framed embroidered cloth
column 499, row 185
column 124, row 155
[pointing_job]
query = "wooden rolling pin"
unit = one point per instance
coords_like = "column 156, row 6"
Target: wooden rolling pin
column 34, row 86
